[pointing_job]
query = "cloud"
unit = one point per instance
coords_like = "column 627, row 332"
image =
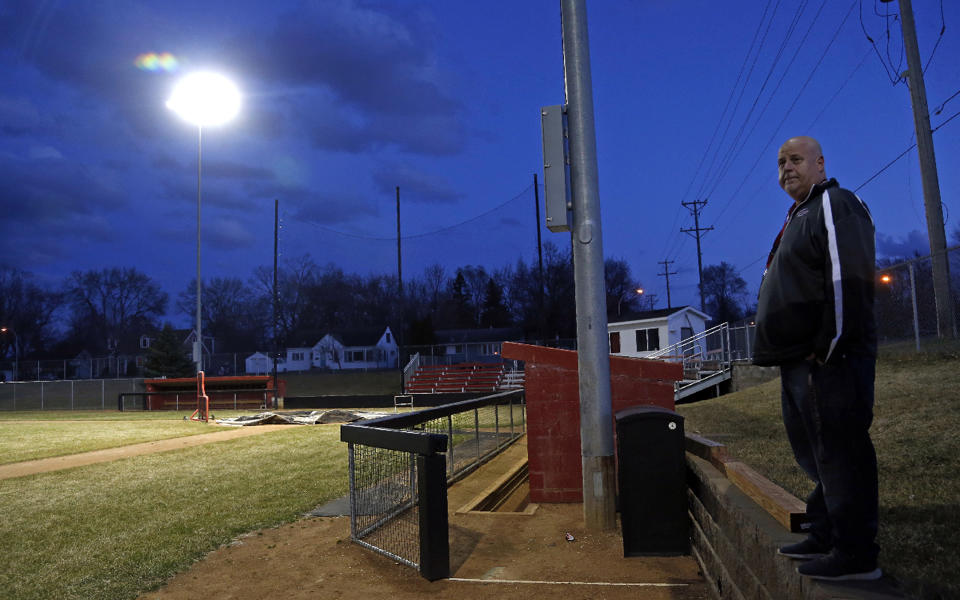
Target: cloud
column 51, row 206
column 235, row 170
column 19, row 116
column 914, row 243
column 332, row 209
column 229, row 234
column 415, row 186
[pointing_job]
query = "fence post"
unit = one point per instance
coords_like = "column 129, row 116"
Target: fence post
column 434, row 534
column 476, row 430
column 103, row 393
column 450, row 442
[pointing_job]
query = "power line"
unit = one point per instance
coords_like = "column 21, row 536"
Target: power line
column 427, row 233
column 735, row 149
column 788, row 112
column 943, row 28
column 944, row 103
column 700, row 191
column 904, row 153
column 707, row 151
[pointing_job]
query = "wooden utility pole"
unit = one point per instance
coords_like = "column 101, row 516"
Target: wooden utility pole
column 667, row 273
column 928, row 173
column 697, row 206
column 540, row 294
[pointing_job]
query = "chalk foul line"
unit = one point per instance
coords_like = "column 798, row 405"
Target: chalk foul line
column 601, row 583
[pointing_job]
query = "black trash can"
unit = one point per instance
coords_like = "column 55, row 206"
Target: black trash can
column 652, row 483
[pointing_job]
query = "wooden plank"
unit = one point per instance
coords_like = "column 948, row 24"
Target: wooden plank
column 779, row 503
column 782, row 505
column 708, row 450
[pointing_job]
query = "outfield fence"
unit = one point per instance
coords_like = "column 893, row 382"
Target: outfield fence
column 87, row 394
column 400, row 466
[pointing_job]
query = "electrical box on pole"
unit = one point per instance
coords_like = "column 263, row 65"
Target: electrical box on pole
column 556, row 168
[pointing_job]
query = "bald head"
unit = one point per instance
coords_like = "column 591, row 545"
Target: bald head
column 800, row 166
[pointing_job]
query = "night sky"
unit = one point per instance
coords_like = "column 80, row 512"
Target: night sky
column 345, row 100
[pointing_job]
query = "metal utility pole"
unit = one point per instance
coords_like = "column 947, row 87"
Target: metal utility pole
column 596, row 417
column 667, row 273
column 276, row 339
column 536, row 217
column 928, row 173
column 697, row 207
column 198, row 343
column 399, row 334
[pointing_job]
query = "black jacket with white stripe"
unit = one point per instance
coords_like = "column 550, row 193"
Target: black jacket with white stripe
column 817, row 292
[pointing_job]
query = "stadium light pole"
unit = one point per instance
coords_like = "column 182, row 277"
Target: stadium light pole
column 204, row 99
column 16, row 350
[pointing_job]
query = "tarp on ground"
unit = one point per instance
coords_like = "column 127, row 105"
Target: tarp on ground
column 303, row 417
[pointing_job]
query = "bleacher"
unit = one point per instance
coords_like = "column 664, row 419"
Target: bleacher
column 463, row 377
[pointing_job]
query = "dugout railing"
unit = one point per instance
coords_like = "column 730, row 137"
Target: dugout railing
column 400, row 466
column 187, row 399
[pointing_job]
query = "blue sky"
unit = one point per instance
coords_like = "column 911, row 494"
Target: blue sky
column 345, row 100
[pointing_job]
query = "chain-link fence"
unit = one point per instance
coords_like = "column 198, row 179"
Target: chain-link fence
column 90, row 394
column 400, row 466
column 906, row 305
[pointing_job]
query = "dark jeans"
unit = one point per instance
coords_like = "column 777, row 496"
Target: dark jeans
column 827, row 410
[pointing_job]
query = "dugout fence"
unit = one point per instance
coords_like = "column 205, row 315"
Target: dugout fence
column 400, row 467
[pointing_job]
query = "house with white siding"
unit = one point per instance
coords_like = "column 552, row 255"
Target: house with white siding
column 639, row 334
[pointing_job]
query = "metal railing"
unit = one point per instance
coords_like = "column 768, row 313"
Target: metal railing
column 400, row 466
column 705, row 355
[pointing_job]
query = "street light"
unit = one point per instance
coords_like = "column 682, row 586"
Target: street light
column 16, row 350
column 203, row 99
column 887, row 279
column 638, row 291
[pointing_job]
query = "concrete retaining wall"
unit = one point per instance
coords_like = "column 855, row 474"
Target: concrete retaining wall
column 735, row 541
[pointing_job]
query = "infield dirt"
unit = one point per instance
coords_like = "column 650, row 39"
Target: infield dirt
column 493, row 555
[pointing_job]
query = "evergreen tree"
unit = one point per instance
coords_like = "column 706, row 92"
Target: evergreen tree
column 495, row 312
column 166, row 357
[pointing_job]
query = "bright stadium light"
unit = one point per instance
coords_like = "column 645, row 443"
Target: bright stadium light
column 203, row 99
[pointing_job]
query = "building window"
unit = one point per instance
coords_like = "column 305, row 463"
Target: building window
column 144, row 342
column 388, row 337
column 296, row 356
column 686, row 332
column 614, row 342
column 355, row 356
column 648, row 339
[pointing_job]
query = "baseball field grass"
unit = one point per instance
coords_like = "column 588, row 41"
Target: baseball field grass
column 114, row 530
column 916, row 432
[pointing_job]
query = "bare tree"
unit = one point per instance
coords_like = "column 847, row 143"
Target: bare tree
column 27, row 310
column 110, row 303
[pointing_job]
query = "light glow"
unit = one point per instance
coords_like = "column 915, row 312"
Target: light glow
column 205, row 99
column 151, row 61
column 885, row 278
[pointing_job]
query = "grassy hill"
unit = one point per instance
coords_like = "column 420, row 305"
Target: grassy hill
column 916, row 431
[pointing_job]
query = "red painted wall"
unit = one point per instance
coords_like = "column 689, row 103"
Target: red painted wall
column 187, row 388
column 553, row 411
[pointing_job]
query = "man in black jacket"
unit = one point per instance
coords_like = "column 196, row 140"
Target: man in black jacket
column 815, row 320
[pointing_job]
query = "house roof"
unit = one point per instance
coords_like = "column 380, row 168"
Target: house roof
column 359, row 337
column 491, row 334
column 646, row 315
